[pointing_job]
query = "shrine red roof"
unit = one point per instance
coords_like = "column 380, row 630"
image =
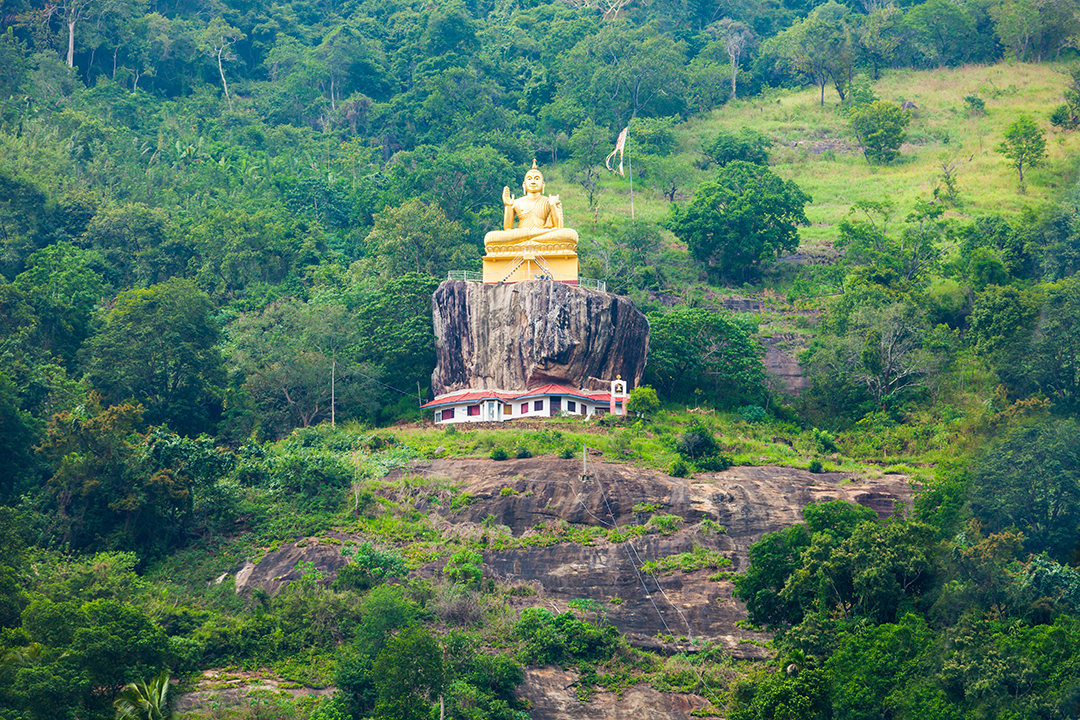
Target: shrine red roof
column 474, row 396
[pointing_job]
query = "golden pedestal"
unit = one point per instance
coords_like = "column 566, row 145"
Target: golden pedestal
column 531, row 260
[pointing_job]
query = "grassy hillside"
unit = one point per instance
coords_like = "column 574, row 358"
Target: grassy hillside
column 815, row 148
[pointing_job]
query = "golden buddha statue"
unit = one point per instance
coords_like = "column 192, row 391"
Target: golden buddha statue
column 540, row 246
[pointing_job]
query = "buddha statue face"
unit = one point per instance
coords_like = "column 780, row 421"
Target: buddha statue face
column 534, row 182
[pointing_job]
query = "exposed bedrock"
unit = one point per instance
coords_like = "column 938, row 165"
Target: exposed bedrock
column 522, row 336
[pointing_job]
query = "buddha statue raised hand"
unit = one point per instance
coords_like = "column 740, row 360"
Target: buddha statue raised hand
column 539, row 221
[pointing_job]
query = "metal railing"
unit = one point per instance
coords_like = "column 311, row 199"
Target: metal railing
column 471, row 276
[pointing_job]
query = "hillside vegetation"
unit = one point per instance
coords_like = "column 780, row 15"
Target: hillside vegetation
column 220, row 229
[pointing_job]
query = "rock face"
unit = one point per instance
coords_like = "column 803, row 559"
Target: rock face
column 522, row 336
column 662, row 611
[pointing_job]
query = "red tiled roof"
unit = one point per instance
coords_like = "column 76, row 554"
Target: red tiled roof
column 472, row 396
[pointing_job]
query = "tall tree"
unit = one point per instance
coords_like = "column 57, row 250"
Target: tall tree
column 217, row 40
column 158, row 347
column 740, row 221
column 821, row 46
column 1024, row 144
column 696, row 349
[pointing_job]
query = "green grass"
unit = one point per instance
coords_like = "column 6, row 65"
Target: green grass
column 815, row 149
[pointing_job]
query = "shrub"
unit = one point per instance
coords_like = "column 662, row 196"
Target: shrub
column 497, row 453
column 752, row 413
column 975, row 105
column 880, row 128
column 815, row 466
column 567, row 453
column 664, row 524
column 458, row 605
column 560, row 639
column 679, row 468
column 697, row 442
column 318, row 477
column 747, row 145
column 465, row 567
column 714, row 463
column 825, row 440
column 368, row 566
column 522, row 452
column 462, row 501
column 643, row 400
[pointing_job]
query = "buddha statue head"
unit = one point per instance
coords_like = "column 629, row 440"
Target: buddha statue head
column 534, row 180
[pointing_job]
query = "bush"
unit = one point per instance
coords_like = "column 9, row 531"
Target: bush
column 643, row 400
column 497, row 453
column 465, row 567
column 522, row 452
column 697, row 442
column 880, row 128
column 679, row 468
column 747, row 145
column 752, row 413
column 825, row 441
column 560, row 639
column 664, row 524
column 714, row 463
column 815, row 466
column 975, row 105
column 318, row 477
column 462, row 501
column 368, row 566
column 567, row 453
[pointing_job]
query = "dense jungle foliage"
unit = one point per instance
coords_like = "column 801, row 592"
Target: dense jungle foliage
column 220, row 228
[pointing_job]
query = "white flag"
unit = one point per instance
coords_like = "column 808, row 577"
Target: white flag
column 620, row 146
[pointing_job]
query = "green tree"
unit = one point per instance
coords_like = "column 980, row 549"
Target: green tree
column 822, row 46
column 778, row 556
column 158, row 347
column 19, row 432
column 1067, row 115
column 743, row 219
column 880, row 128
column 395, row 328
column 418, row 238
column 301, row 363
column 747, row 145
column 693, row 348
column 942, row 33
column 144, row 700
column 409, row 675
column 216, row 41
column 623, row 71
column 1024, row 145
column 61, row 286
column 643, row 400
column 879, row 36
column 107, row 496
column 1029, row 479
column 1032, row 339
column 900, row 261
column 883, row 351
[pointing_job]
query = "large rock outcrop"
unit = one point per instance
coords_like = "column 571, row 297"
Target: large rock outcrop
column 522, row 336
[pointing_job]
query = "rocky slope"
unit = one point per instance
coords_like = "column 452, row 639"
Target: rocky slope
column 746, row 501
column 665, row 612
column 522, row 336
